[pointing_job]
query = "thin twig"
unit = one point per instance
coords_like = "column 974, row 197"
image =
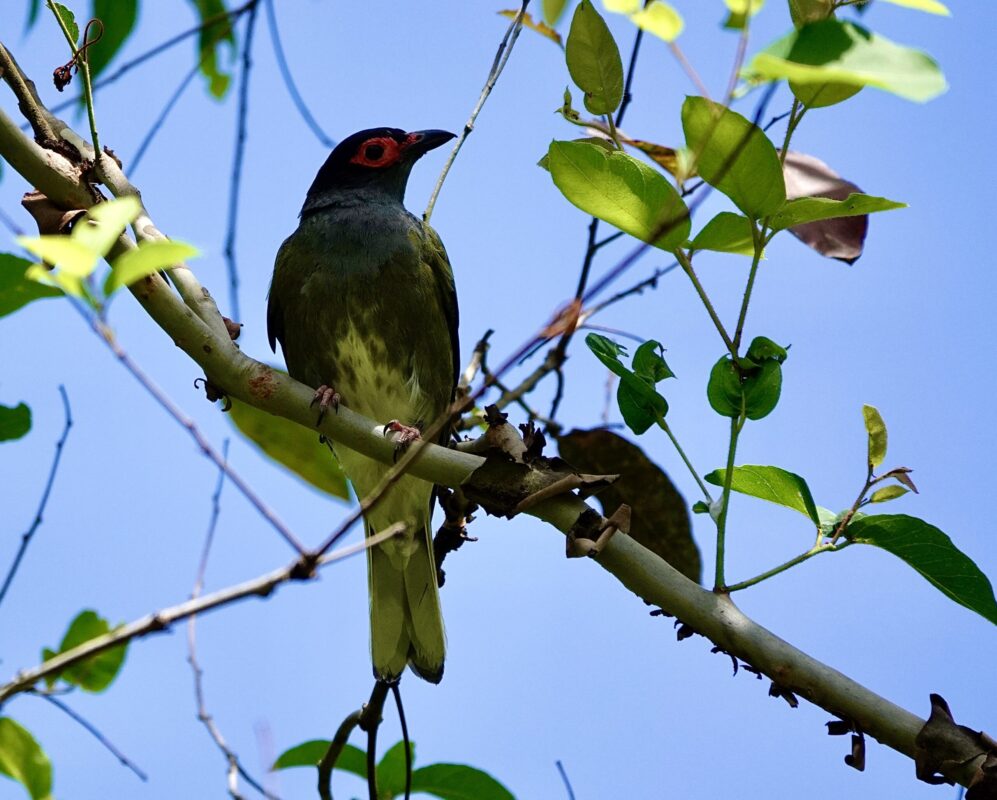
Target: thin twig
column 292, row 88
column 235, row 768
column 108, row 337
column 9, row 223
column 92, row 729
column 501, row 57
column 370, row 721
column 564, row 779
column 689, row 70
column 328, row 762
column 235, row 182
column 161, row 119
column 405, row 740
column 157, row 622
column 30, row 532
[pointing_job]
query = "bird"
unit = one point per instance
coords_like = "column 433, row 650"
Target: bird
column 364, row 306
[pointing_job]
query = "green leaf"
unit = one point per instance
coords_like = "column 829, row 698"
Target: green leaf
column 773, row 484
column 621, row 190
column 309, row 754
column 538, row 26
column 931, row 553
column 740, row 12
column 727, row 232
column 146, row 259
column 96, row 673
column 14, row 422
column 876, row 429
column 659, row 18
column 762, row 390
column 70, row 20
column 552, row 10
column 598, row 141
column 812, row 209
column 735, row 156
column 700, row 507
column 842, row 52
column 762, row 349
column 16, row 290
column 649, row 362
column 104, row 224
column 33, row 8
column 119, row 18
column 212, row 40
column 295, row 447
column 928, row 6
column 887, row 493
column 639, row 408
column 822, row 95
column 22, row 758
column 724, row 388
column 594, row 60
column 73, row 258
column 622, row 6
column 391, row 770
column 804, row 11
column 458, row 782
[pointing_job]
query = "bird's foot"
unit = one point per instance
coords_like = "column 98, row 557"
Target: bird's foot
column 403, row 435
column 326, row 397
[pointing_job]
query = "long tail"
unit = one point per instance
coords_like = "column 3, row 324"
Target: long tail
column 406, row 623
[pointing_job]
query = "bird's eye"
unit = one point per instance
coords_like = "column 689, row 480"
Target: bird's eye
column 373, row 152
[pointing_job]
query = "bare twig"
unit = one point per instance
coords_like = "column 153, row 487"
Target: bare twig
column 292, row 88
column 92, row 729
column 159, row 621
column 30, row 532
column 161, row 119
column 235, row 182
column 501, row 57
column 235, row 768
column 564, row 779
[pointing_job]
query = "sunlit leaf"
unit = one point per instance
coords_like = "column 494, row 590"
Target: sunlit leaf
column 888, row 493
column 104, row 223
column 659, row 18
column 929, row 6
column 876, row 430
column 621, row 190
column 741, row 11
column 69, row 18
column 594, row 60
column 812, row 209
column 22, row 758
column 15, row 422
column 727, row 232
column 16, row 290
column 291, row 445
column 735, row 156
column 97, row 672
column 146, row 259
column 842, row 52
column 215, row 43
column 70, row 255
column 932, row 553
column 773, row 484
column 458, row 782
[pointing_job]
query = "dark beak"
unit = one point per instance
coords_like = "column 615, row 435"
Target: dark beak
column 421, row 142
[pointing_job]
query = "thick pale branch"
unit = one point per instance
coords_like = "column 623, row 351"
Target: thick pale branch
column 201, row 335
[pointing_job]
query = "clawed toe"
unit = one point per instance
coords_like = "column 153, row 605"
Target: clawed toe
column 326, row 397
column 404, row 434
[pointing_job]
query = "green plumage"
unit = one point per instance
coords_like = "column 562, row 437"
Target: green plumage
column 363, row 300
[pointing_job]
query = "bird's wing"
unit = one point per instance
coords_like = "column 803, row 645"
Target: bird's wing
column 435, row 254
column 275, row 314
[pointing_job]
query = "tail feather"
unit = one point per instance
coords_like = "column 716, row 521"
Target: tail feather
column 406, row 622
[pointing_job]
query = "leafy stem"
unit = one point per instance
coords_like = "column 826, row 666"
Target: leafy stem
column 758, row 238
column 80, row 60
column 736, row 423
column 685, row 459
column 817, row 549
column 686, row 263
column 839, row 529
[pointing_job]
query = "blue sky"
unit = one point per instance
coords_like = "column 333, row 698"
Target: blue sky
column 548, row 658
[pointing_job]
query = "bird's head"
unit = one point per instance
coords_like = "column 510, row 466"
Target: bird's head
column 377, row 158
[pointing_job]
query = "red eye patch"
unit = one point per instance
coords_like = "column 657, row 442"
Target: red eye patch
column 382, row 151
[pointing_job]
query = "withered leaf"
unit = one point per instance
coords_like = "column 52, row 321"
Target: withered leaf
column 660, row 519
column 841, row 238
column 539, row 26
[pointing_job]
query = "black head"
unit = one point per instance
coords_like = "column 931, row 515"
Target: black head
column 377, row 156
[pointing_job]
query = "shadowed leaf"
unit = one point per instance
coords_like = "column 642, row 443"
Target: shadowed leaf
column 212, row 41
column 552, row 10
column 291, row 445
column 118, row 17
column 727, row 232
column 931, row 553
column 309, row 754
column 458, row 782
column 15, row 422
column 659, row 519
column 391, row 770
column 96, row 673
